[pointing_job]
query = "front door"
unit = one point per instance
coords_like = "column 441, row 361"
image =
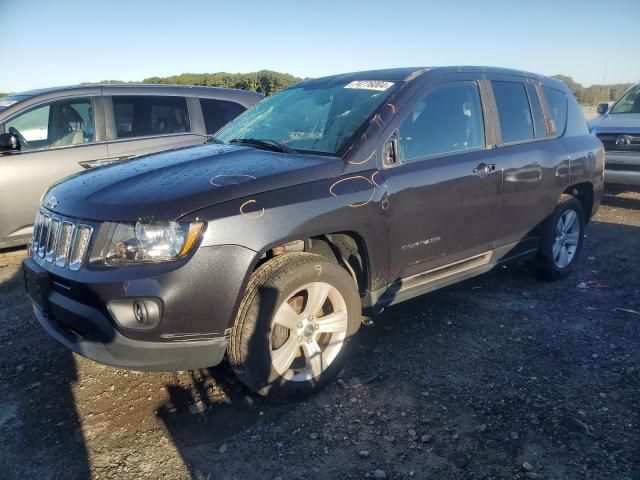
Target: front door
column 57, row 139
column 445, row 187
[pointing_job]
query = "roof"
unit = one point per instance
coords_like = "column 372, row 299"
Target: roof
column 193, row 89
column 409, row 73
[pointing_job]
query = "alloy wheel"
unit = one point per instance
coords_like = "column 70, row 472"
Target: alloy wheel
column 567, row 238
column 309, row 330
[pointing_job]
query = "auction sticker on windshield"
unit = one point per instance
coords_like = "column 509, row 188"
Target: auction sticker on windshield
column 370, row 85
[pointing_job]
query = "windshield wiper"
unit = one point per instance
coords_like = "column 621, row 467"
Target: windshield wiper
column 263, row 143
column 214, row 140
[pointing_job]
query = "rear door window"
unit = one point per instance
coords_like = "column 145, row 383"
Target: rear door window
column 516, row 122
column 146, row 115
column 217, row 113
column 448, row 119
column 557, row 102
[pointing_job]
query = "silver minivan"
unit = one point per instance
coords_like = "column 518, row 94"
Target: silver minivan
column 46, row 135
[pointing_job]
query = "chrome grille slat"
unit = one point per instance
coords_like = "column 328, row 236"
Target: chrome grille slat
column 80, row 245
column 44, row 235
column 60, row 240
column 63, row 247
column 54, row 232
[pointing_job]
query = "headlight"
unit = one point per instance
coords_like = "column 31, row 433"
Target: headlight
column 141, row 242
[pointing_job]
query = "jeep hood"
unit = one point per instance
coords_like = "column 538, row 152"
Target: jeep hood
column 616, row 123
column 168, row 185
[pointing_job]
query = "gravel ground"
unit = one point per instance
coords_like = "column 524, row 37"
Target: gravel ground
column 502, row 376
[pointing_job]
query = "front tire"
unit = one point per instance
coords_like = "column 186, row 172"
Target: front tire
column 295, row 326
column 561, row 241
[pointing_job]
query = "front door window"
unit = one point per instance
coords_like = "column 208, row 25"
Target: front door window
column 58, row 124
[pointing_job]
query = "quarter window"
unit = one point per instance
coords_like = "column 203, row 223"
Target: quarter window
column 217, row 113
column 557, row 101
column 516, row 123
column 139, row 116
column 446, row 120
column 57, row 124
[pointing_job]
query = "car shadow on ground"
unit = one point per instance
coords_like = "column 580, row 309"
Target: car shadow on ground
column 618, row 201
column 39, row 420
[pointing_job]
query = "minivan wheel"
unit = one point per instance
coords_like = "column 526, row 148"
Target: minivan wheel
column 561, row 241
column 295, row 326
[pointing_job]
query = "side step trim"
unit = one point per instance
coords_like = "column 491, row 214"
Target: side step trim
column 441, row 273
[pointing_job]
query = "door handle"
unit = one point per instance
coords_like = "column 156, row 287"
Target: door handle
column 484, row 169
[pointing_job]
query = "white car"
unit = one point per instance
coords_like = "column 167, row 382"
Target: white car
column 619, row 130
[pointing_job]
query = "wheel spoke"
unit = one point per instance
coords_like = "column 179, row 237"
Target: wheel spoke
column 287, row 317
column 564, row 257
column 556, row 249
column 313, row 358
column 333, row 323
column 283, row 357
column 317, row 295
column 569, row 219
column 572, row 238
column 559, row 227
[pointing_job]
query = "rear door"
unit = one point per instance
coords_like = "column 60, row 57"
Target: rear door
column 139, row 124
column 444, row 190
column 535, row 164
column 58, row 138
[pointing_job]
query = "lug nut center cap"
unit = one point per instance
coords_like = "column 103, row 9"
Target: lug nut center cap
column 308, row 330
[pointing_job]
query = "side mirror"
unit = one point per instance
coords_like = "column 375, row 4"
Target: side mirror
column 390, row 150
column 603, row 108
column 9, row 143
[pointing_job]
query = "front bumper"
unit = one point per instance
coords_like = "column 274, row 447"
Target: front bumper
column 198, row 299
column 622, row 168
column 120, row 351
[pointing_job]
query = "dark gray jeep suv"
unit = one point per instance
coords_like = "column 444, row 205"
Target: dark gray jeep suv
column 334, row 196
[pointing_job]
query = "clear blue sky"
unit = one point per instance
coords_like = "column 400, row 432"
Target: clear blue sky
column 46, row 43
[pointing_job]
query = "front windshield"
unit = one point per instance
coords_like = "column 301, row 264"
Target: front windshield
column 314, row 117
column 630, row 103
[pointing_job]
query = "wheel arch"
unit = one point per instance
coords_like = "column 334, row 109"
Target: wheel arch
column 584, row 193
column 347, row 248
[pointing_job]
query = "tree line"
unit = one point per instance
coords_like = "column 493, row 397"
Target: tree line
column 594, row 94
column 266, row 82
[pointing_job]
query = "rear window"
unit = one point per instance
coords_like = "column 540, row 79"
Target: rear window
column 139, row 116
column 516, row 122
column 557, row 101
column 217, row 113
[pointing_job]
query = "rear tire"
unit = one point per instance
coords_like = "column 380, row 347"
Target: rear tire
column 295, row 326
column 561, row 241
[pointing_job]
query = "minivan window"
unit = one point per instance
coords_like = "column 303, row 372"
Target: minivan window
column 217, row 113
column 557, row 101
column 536, row 109
column 448, row 119
column 514, row 111
column 142, row 115
column 57, row 124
